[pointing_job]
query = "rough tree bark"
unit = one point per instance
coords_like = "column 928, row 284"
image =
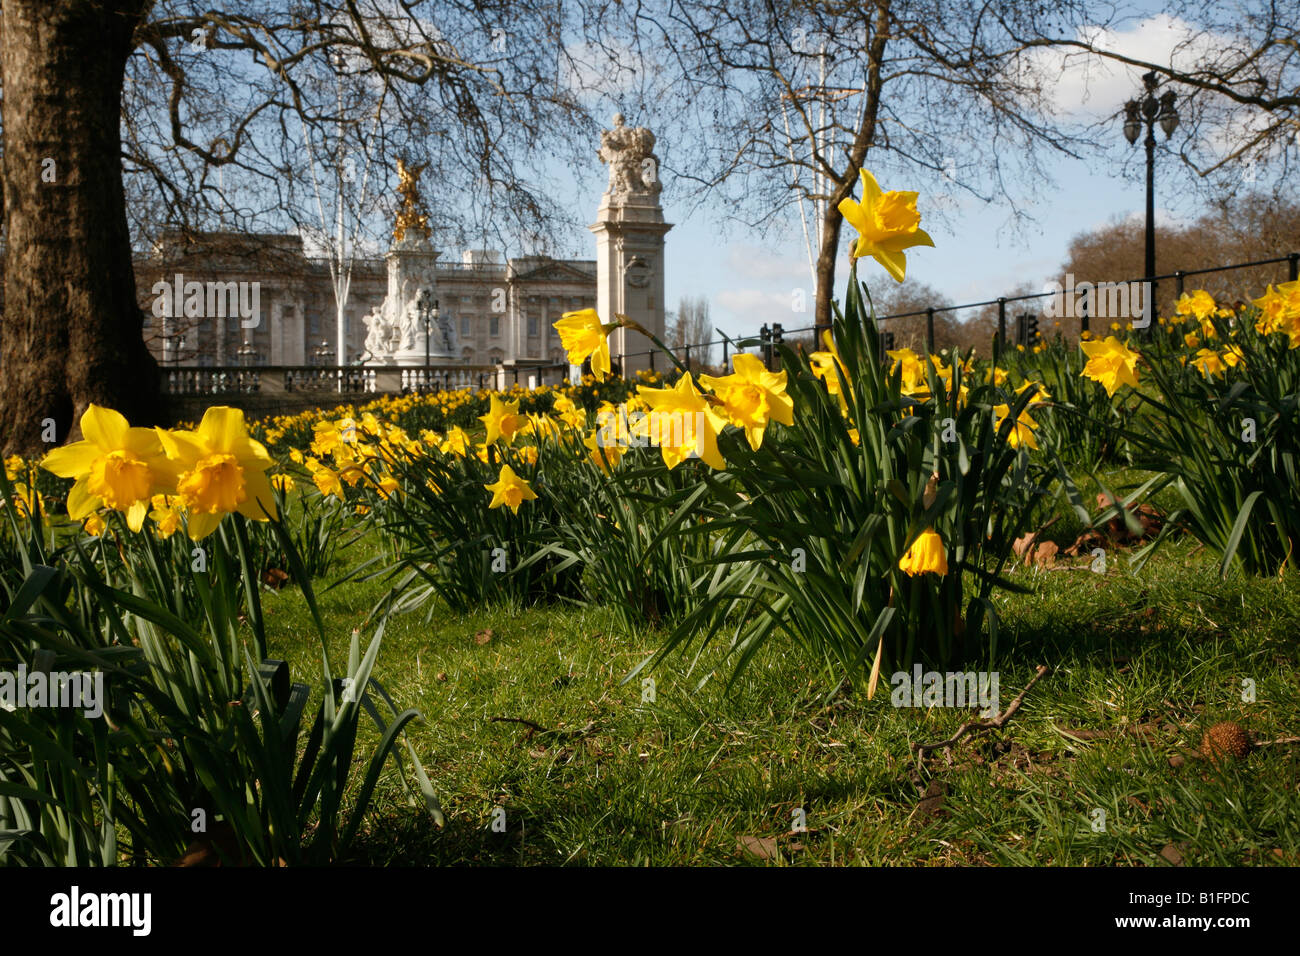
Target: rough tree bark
column 832, row 221
column 71, row 330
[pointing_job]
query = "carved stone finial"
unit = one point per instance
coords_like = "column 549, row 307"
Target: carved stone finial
column 410, row 216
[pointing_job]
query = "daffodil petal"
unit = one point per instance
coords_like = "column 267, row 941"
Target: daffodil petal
column 103, row 426
column 71, row 460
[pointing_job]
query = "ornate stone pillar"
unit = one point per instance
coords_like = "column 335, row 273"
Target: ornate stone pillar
column 630, row 231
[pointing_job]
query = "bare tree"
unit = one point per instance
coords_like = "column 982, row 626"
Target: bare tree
column 784, row 103
column 1234, row 68
column 692, row 326
column 203, row 110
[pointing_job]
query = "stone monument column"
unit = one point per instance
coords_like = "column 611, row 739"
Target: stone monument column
column 411, row 271
column 630, row 231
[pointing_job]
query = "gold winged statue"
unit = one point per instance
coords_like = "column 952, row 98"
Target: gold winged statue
column 409, row 216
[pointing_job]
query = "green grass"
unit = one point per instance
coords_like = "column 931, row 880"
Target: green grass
column 690, row 777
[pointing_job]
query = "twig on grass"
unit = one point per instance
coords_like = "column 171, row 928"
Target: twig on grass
column 532, row 727
column 977, row 726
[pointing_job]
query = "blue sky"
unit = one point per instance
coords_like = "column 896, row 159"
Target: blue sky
column 977, row 254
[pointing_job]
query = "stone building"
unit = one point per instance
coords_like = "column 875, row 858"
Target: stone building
column 502, row 310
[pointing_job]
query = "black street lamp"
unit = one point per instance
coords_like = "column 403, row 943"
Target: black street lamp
column 427, row 307
column 1150, row 110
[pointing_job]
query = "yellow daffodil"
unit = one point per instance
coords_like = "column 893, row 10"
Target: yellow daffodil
column 221, row 470
column 1040, row 396
column 1280, row 312
column 1111, row 363
column 27, row 502
column 1022, row 433
column 456, row 443
column 912, row 373
column 94, row 524
column 583, row 336
column 115, row 466
column 282, row 482
column 503, row 421
column 1199, row 305
column 603, row 456
column 327, row 481
column 683, row 423
column 824, row 365
column 166, row 515
column 752, row 396
column 926, row 555
column 1209, row 364
column 510, row 490
column 887, row 224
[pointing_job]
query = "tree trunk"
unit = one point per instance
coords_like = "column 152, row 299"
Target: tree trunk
column 832, row 221
column 71, row 330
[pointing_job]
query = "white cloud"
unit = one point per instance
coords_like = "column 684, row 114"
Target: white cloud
column 743, row 311
column 757, row 262
column 1089, row 87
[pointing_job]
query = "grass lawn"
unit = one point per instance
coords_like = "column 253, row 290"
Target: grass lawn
column 1141, row 665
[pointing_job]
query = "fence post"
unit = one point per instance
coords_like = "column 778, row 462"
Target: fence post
column 1083, row 312
column 688, row 358
column 1179, row 276
column 929, row 328
column 1002, row 324
column 725, row 343
column 1293, row 266
column 652, row 364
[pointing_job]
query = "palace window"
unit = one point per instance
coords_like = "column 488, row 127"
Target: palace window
column 494, row 326
column 532, row 325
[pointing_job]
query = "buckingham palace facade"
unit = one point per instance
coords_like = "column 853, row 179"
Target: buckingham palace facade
column 275, row 306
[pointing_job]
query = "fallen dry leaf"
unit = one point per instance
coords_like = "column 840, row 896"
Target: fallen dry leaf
column 274, row 578
column 764, row 848
column 483, row 636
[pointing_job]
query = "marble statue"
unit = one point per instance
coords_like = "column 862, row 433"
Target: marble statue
column 382, row 338
column 633, row 166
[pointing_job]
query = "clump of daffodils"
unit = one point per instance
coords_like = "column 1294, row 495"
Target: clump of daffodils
column 206, row 473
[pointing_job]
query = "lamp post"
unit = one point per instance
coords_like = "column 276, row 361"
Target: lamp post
column 323, row 355
column 1150, row 110
column 427, row 307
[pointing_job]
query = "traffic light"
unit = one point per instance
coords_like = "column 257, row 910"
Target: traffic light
column 777, row 332
column 1027, row 329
